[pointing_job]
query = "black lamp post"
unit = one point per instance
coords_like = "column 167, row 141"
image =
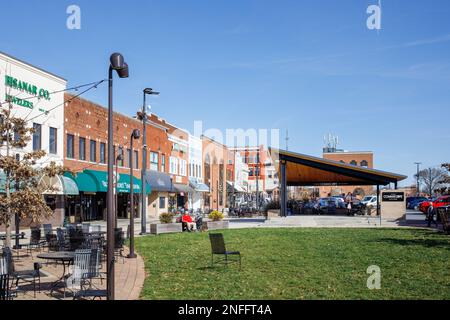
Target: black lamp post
column 135, row 135
column 118, row 64
column 118, row 158
column 143, row 116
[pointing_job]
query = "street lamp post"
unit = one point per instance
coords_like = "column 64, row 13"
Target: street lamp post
column 418, row 170
column 116, row 195
column 118, row 64
column 135, row 135
column 143, row 116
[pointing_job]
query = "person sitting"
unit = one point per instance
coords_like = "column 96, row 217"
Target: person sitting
column 187, row 220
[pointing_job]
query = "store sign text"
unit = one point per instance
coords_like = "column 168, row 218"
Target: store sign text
column 25, row 87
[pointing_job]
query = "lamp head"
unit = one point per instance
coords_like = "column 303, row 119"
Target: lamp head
column 117, row 61
column 150, row 91
column 136, row 134
column 124, row 72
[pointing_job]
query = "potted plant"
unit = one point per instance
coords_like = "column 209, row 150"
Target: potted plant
column 166, row 225
column 216, row 221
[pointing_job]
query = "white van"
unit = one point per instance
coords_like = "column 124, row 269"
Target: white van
column 370, row 201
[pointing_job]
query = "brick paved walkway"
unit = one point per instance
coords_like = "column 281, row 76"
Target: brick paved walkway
column 129, row 278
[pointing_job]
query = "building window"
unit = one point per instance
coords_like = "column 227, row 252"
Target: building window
column 129, row 158
column 183, row 167
column 52, row 143
column 70, row 152
column 154, row 161
column 37, row 135
column 163, row 163
column 120, row 162
column 364, row 164
column 93, row 151
column 173, row 165
column 136, row 159
column 102, row 152
column 82, row 149
column 162, row 202
column 353, row 163
column 250, row 172
column 257, row 172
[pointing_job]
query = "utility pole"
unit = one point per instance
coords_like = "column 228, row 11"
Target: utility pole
column 418, row 170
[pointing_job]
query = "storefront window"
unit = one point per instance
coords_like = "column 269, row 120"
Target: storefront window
column 102, row 152
column 93, row 151
column 82, row 149
column 37, row 136
column 154, row 161
column 70, row 146
column 136, row 159
column 162, row 202
column 52, row 145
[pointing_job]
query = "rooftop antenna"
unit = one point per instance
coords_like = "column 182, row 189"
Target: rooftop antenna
column 287, row 140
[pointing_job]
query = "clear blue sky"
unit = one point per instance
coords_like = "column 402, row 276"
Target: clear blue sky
column 309, row 66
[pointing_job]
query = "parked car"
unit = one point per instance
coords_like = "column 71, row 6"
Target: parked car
column 331, row 206
column 411, row 202
column 439, row 202
column 414, row 204
column 369, row 201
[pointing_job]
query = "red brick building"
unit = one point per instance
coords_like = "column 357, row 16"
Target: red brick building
column 356, row 158
column 85, row 145
column 215, row 160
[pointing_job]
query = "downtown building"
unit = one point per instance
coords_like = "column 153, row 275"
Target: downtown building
column 37, row 96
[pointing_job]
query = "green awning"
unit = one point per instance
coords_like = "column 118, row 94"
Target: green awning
column 97, row 181
column 3, row 183
column 60, row 185
column 84, row 182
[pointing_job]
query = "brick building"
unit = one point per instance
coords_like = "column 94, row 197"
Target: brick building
column 356, row 158
column 215, row 159
column 86, row 154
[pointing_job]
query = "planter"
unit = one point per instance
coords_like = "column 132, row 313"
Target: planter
column 273, row 214
column 217, row 225
column 158, row 228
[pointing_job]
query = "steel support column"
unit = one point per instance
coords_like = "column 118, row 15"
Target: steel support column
column 283, row 189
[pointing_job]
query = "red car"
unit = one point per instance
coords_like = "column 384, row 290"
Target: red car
column 439, row 202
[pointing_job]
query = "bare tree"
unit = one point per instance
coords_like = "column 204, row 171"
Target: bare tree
column 431, row 179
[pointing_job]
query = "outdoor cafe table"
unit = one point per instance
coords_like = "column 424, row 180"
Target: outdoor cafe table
column 65, row 257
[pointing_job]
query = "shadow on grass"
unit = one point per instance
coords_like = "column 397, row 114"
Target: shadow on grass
column 424, row 238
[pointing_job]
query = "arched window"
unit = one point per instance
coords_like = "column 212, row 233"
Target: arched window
column 353, row 163
column 364, row 163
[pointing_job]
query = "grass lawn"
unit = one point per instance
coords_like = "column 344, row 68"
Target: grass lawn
column 299, row 264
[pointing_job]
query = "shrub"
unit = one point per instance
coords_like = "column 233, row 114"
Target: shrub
column 272, row 205
column 216, row 216
column 166, row 217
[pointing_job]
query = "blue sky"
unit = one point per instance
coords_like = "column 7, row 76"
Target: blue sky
column 311, row 66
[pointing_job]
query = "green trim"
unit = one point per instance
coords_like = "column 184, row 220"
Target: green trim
column 97, row 181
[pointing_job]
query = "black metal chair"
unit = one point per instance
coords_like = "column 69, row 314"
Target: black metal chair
column 35, row 241
column 119, row 242
column 218, row 248
column 50, row 238
column 63, row 240
column 29, row 276
column 5, row 293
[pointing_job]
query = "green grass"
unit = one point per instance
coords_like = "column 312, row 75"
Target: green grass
column 299, row 264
